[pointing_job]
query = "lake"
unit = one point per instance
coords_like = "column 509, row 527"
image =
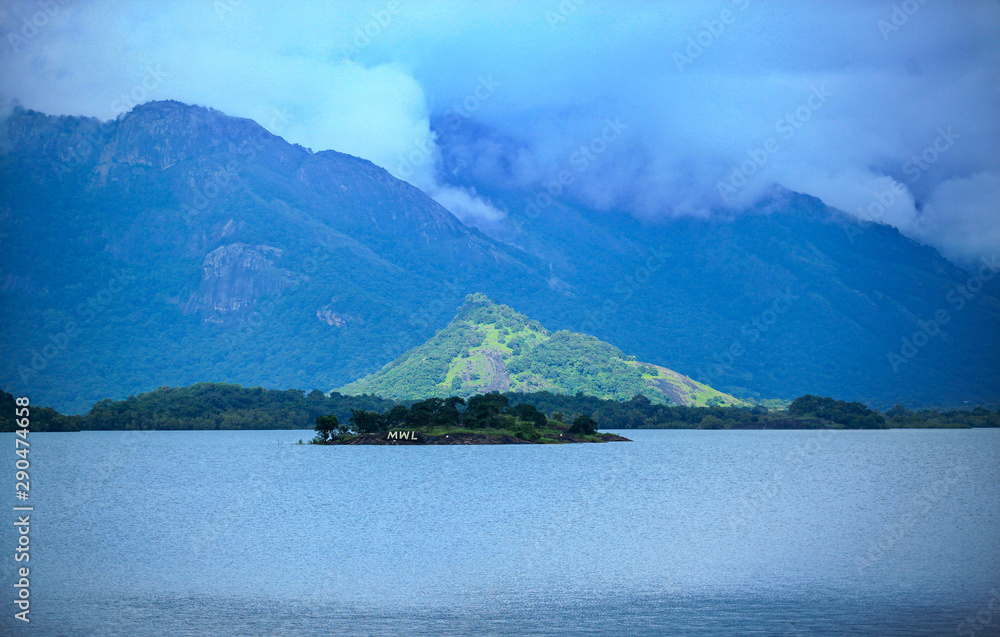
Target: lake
column 680, row 532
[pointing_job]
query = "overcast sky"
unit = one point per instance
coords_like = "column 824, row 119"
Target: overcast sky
column 701, row 105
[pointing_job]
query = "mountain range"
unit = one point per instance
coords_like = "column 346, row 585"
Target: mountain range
column 177, row 244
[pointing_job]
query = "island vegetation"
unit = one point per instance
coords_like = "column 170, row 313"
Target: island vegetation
column 230, row 406
column 483, row 419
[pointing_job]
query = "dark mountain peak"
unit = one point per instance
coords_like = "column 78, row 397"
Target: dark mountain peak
column 184, row 115
column 163, row 134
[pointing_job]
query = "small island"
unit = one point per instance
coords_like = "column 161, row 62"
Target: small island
column 487, row 419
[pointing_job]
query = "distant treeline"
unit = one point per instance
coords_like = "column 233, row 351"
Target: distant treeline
column 229, row 406
column 200, row 406
column 39, row 418
column 641, row 413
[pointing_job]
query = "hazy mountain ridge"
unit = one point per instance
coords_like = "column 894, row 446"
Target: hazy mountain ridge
column 238, row 266
column 184, row 245
column 847, row 294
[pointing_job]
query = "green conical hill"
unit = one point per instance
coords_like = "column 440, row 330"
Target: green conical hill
column 491, row 347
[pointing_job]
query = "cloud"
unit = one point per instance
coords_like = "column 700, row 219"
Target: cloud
column 461, row 98
column 961, row 218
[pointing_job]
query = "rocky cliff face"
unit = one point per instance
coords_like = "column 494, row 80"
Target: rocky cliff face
column 331, row 315
column 234, row 279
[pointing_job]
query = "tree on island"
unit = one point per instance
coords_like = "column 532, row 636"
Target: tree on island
column 530, row 413
column 395, row 416
column 327, row 427
column 482, row 410
column 366, row 422
column 584, row 425
column 450, row 411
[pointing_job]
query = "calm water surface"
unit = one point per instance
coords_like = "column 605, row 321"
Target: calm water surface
column 677, row 533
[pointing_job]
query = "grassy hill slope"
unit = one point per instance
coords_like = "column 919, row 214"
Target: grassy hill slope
column 491, row 347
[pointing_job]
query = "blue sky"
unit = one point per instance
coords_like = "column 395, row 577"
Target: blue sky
column 885, row 110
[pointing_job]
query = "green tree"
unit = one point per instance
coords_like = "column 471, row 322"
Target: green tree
column 327, row 427
column 395, row 416
column 529, row 413
column 449, row 415
column 711, row 422
column 851, row 415
column 420, row 414
column 482, row 410
column 584, row 425
column 366, row 422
